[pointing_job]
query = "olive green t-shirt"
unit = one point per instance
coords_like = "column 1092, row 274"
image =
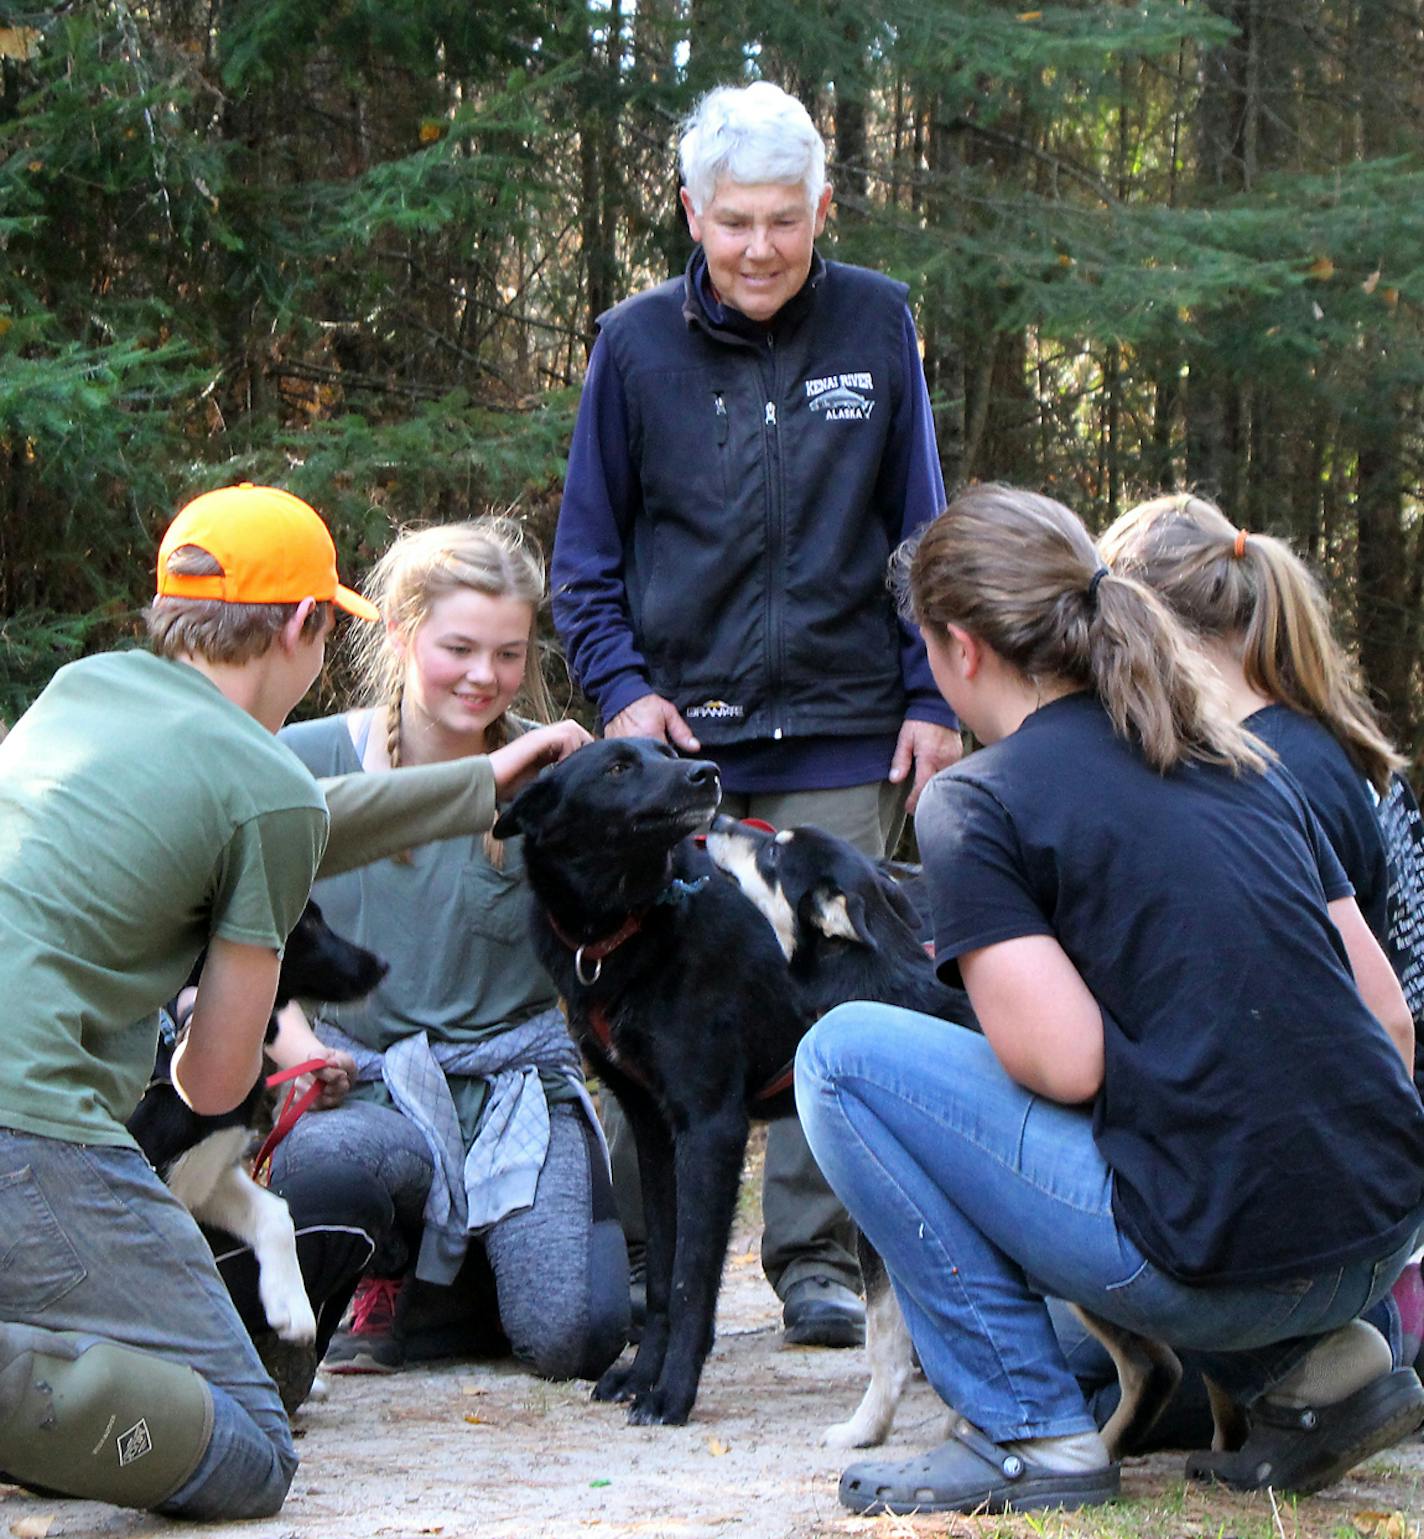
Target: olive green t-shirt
column 453, row 927
column 141, row 813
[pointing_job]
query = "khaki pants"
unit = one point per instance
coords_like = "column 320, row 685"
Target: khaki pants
column 806, row 1232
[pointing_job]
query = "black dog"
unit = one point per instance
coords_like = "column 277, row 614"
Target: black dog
column 678, row 993
column 850, row 931
column 201, row 1158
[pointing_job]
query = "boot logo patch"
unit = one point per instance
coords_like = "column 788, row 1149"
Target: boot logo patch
column 134, row 1443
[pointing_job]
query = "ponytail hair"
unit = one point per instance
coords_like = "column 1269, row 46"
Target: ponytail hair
column 1020, row 572
column 1253, row 591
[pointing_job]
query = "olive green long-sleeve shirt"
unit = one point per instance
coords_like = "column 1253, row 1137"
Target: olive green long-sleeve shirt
column 373, row 816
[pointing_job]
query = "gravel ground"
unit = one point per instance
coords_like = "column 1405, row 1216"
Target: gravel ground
column 483, row 1449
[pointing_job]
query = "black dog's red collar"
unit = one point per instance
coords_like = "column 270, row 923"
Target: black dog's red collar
column 675, row 892
column 596, row 950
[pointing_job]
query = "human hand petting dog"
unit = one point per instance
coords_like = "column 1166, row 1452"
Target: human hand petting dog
column 518, row 762
column 652, row 716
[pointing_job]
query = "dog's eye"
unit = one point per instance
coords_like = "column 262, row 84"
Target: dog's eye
column 618, row 767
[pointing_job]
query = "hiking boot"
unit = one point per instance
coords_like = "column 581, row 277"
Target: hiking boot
column 291, row 1366
column 371, row 1342
column 820, row 1312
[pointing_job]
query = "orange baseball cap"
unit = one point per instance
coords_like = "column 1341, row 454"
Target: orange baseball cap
column 273, row 548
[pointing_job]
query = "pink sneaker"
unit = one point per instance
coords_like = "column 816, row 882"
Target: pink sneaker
column 371, row 1342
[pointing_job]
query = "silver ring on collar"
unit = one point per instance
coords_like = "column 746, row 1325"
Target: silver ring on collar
column 578, row 968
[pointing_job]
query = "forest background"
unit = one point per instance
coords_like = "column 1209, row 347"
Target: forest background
column 356, row 248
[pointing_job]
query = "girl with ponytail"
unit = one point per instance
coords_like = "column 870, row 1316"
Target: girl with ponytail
column 462, row 1048
column 1260, row 618
column 1189, row 1111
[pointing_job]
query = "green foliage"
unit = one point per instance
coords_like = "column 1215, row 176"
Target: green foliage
column 357, row 248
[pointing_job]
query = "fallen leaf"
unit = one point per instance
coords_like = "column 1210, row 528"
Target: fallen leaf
column 477, row 1421
column 430, row 130
column 716, row 1447
column 1029, row 16
column 19, row 42
column 34, row 1527
column 1385, row 1525
column 1321, row 269
column 1390, row 297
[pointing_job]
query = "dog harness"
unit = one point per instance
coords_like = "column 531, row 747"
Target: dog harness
column 598, row 1023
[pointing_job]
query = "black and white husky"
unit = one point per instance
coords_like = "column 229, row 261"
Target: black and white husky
column 850, row 931
column 203, row 1160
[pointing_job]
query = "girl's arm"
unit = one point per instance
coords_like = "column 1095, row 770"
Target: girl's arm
column 296, row 1043
column 1045, row 1027
column 1374, row 977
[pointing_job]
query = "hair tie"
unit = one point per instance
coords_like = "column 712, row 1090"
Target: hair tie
column 1239, row 549
column 1093, row 582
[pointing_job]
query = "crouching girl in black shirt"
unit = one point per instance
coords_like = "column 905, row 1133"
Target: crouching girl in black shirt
column 1190, row 1109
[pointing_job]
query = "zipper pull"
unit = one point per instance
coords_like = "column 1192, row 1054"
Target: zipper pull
column 771, row 414
column 720, row 407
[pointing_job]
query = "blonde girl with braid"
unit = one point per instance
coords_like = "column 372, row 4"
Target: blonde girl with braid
column 1189, row 1109
column 460, row 647
column 469, row 1101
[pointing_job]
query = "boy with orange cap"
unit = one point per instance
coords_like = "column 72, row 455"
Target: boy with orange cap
column 147, row 811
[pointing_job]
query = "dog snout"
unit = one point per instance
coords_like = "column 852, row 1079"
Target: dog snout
column 703, row 774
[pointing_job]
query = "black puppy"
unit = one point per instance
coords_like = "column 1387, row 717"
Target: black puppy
column 201, row 1158
column 678, row 993
column 849, row 931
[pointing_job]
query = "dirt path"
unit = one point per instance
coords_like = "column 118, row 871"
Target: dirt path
column 482, row 1449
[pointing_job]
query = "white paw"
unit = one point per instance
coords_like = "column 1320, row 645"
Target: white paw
column 855, row 1433
column 289, row 1312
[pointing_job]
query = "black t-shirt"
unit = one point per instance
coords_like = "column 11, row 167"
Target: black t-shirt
column 1257, row 1118
column 1340, row 797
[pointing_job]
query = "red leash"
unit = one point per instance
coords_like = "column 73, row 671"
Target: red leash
column 287, row 1118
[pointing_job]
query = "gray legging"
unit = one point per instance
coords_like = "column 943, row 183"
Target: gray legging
column 560, row 1266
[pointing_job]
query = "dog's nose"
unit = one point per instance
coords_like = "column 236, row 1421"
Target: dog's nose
column 722, row 824
column 701, row 773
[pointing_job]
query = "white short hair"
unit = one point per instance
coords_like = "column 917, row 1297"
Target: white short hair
column 750, row 134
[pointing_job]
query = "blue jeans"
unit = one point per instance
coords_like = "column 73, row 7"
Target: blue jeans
column 98, row 1244
column 983, row 1198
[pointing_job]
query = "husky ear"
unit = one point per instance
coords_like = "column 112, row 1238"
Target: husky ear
column 527, row 812
column 838, row 914
column 897, row 897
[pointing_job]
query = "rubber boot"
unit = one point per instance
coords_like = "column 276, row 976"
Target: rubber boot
column 85, row 1417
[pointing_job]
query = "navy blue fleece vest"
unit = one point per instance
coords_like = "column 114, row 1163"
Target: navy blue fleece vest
column 756, row 563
